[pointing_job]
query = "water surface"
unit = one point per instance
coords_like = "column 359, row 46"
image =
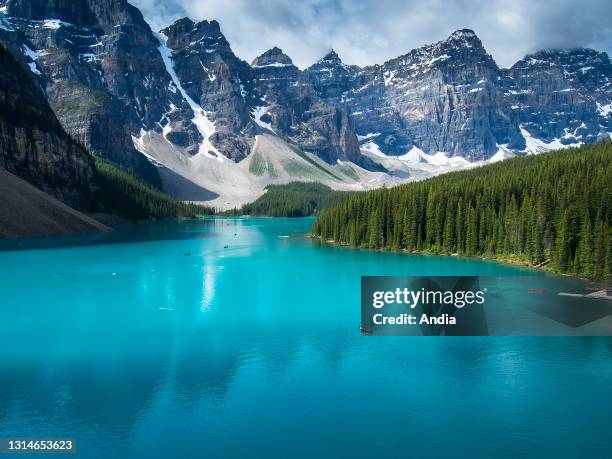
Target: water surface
column 228, row 339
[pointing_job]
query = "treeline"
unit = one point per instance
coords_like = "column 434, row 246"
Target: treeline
column 555, row 207
column 296, row 199
column 122, row 193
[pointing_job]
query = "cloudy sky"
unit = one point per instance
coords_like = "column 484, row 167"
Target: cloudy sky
column 372, row 31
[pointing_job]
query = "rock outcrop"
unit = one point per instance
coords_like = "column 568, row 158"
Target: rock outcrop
column 295, row 111
column 219, row 82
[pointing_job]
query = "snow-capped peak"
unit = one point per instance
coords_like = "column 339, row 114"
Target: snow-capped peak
column 272, row 58
column 330, row 58
column 463, row 34
column 463, row 38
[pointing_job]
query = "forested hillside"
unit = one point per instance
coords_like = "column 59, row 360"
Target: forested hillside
column 556, row 206
column 120, row 192
column 293, row 200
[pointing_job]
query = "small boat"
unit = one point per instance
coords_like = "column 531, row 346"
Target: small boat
column 226, row 246
column 364, row 330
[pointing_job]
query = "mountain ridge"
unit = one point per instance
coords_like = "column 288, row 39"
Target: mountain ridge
column 193, row 94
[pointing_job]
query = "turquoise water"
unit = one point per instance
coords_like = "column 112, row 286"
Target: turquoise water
column 156, row 341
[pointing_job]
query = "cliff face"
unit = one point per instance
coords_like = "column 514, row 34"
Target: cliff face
column 242, row 100
column 215, row 79
column 447, row 98
column 98, row 15
column 98, row 64
column 33, row 144
column 562, row 95
column 299, row 114
column 452, row 97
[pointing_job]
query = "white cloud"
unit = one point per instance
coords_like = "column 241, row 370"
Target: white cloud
column 372, row 31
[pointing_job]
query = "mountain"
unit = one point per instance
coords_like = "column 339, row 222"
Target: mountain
column 561, row 97
column 62, row 175
column 33, row 144
column 34, row 148
column 452, row 97
column 420, row 99
column 98, row 63
column 181, row 110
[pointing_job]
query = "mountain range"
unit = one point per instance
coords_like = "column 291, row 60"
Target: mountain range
column 178, row 108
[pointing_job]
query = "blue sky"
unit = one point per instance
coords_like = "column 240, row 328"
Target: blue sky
column 372, row 31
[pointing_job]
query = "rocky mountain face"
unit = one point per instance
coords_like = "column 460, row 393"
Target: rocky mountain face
column 104, row 72
column 211, row 76
column 33, row 144
column 140, row 98
column 452, row 97
column 98, row 63
column 296, row 112
column 562, row 95
column 242, row 100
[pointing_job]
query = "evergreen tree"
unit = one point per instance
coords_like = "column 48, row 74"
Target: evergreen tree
column 563, row 250
column 584, row 252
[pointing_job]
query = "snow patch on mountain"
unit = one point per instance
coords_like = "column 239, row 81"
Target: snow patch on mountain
column 54, row 24
column 416, row 155
column 418, row 165
column 371, row 135
column 604, row 110
column 258, row 112
column 200, row 118
column 374, row 149
column 503, row 152
column 535, row 146
column 33, row 56
column 5, row 24
column 273, row 64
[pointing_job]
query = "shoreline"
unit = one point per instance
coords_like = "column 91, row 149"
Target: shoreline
column 508, row 261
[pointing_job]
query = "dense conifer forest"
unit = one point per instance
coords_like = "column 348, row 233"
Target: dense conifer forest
column 553, row 209
column 296, row 199
column 123, row 193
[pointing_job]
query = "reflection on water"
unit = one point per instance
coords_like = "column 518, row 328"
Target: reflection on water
column 223, row 339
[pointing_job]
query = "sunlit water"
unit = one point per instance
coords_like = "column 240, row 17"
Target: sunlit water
column 224, row 339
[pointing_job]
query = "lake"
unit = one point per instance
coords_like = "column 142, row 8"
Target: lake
column 240, row 338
